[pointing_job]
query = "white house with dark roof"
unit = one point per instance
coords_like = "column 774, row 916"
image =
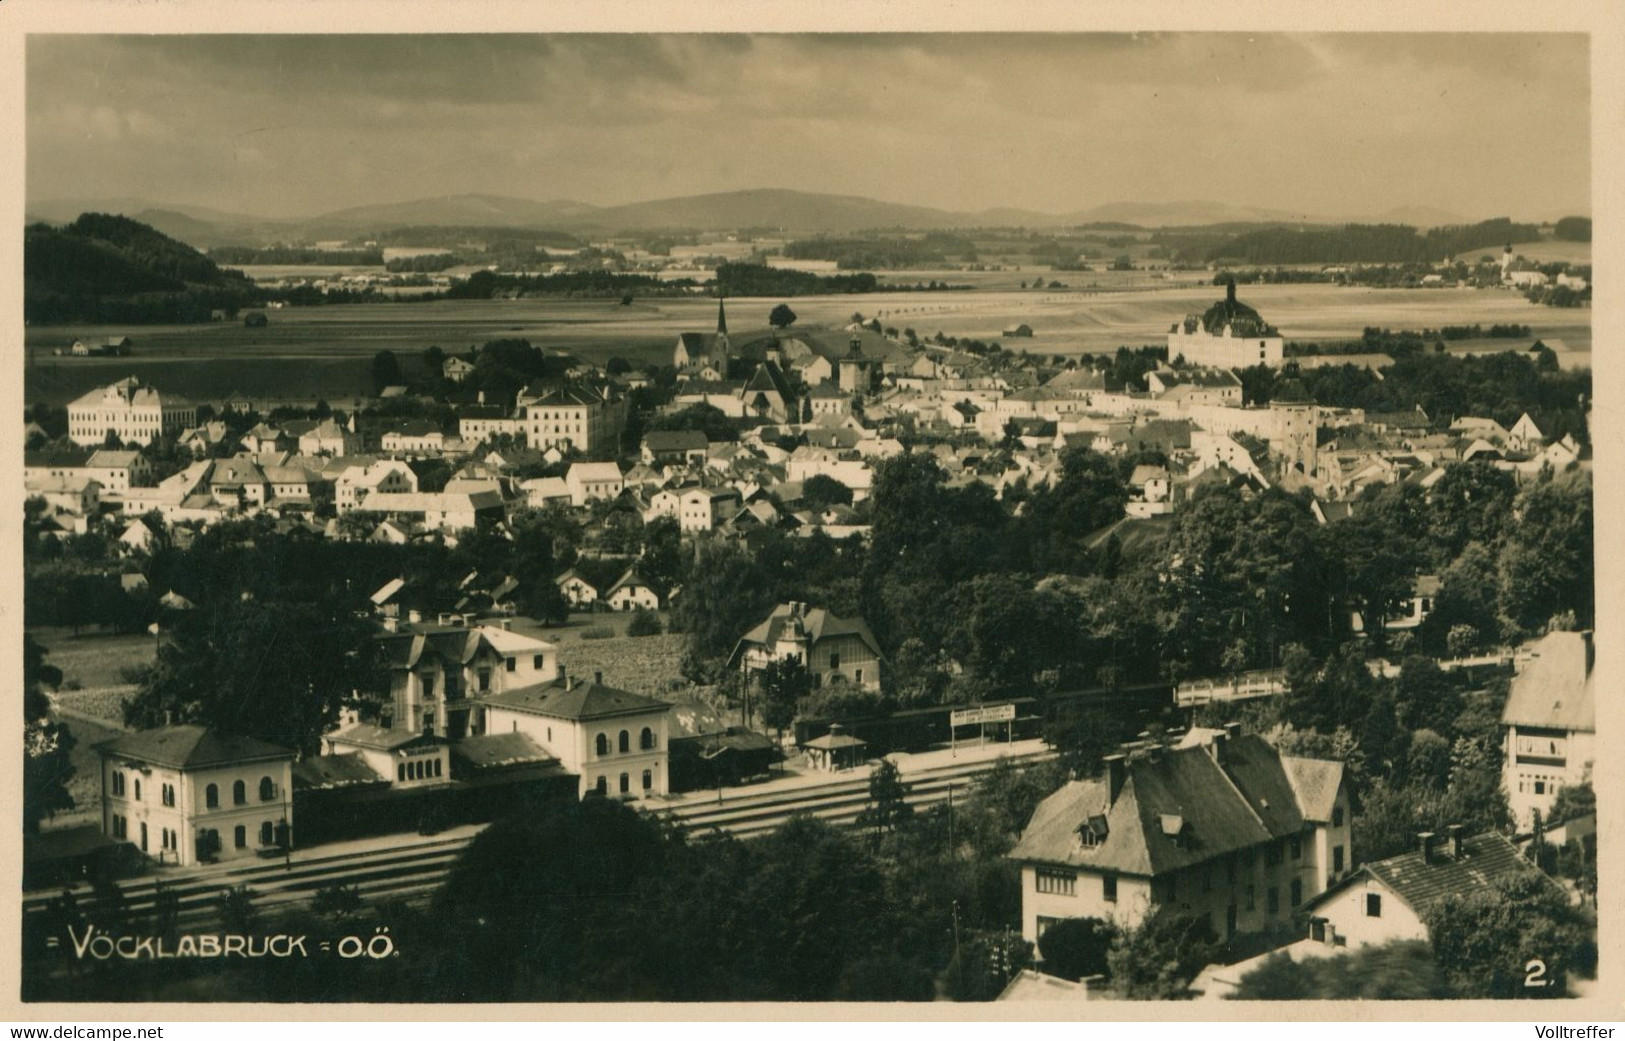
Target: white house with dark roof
column 1227, row 828
column 589, row 481
column 1388, row 900
column 614, row 740
column 436, row 672
column 632, row 591
column 834, row 649
column 133, row 411
column 181, row 794
column 1229, row 334
column 1551, row 724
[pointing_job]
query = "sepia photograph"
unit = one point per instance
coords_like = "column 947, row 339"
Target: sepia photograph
column 807, row 517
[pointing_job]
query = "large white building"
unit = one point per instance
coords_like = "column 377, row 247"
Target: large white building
column 1551, row 725
column 435, row 673
column 1228, row 335
column 1224, row 827
column 614, row 740
column 181, row 794
column 137, row 414
column 578, row 418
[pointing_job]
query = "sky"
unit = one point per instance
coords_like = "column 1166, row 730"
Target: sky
column 1339, row 125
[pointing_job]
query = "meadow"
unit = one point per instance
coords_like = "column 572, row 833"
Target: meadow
column 331, row 347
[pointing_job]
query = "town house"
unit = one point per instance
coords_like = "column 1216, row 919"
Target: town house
column 1224, row 827
column 834, row 649
column 182, row 794
column 436, row 672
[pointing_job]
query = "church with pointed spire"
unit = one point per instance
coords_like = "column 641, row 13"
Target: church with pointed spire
column 705, row 355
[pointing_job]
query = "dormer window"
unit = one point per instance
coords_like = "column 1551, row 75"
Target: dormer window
column 1092, row 832
column 1175, row 827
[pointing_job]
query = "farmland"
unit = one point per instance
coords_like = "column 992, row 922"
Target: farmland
column 332, row 346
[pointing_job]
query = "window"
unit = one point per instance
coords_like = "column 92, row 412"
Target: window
column 118, row 782
column 1272, row 899
column 626, row 741
column 1052, row 880
column 857, row 675
column 648, row 779
column 400, row 772
column 536, row 662
column 267, row 834
column 239, row 793
column 626, row 783
column 168, row 794
column 1272, row 855
column 834, row 659
column 119, row 827
column 1108, row 888
column 1373, row 905
column 646, row 740
column 267, row 789
column 427, row 679
column 1296, row 891
column 1337, row 860
column 138, row 789
column 602, row 744
column 1297, row 849
column 211, row 797
column 603, row 786
column 240, row 837
column 511, row 664
column 1540, row 787
column 1337, row 816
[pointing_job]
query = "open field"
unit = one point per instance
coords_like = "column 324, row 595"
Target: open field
column 1548, row 251
column 333, row 346
column 641, row 664
column 93, row 660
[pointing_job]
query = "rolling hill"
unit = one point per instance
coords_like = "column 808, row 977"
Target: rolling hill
column 111, row 268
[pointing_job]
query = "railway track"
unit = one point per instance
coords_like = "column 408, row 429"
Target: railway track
column 415, row 869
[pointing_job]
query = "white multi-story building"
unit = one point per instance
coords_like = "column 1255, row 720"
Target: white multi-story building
column 578, row 418
column 835, row 650
column 137, row 414
column 181, row 794
column 435, row 672
column 1229, row 335
column 1551, row 725
column 614, row 740
column 1224, row 827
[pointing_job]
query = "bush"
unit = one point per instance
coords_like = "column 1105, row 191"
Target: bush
column 597, row 632
column 1076, row 947
column 644, row 623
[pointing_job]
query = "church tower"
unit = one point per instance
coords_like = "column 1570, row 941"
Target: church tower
column 721, row 353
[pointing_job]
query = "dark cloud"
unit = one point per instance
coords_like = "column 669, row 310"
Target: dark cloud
column 1323, row 123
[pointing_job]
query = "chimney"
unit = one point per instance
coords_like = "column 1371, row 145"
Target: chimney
column 1455, row 841
column 563, row 675
column 482, row 397
column 1216, row 746
column 1230, row 290
column 1424, row 842
column 1116, row 774
column 598, row 677
column 1232, row 729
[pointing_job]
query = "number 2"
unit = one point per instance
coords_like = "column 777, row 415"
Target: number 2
column 1536, row 974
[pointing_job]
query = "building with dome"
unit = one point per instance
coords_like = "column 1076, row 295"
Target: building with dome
column 1228, row 335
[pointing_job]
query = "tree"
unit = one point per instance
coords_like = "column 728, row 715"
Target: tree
column 781, row 317
column 47, row 745
column 1160, row 957
column 337, row 900
column 821, row 491
column 727, row 593
column 1077, row 947
column 386, row 370
column 1547, row 562
column 1485, row 939
column 644, row 623
column 784, row 683
column 888, row 805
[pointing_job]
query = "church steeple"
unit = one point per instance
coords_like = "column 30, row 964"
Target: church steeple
column 722, row 318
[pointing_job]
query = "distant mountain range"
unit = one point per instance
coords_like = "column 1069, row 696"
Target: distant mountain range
column 794, row 212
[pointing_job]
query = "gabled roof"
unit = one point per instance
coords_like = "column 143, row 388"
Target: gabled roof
column 817, row 623
column 1554, row 688
column 768, row 378
column 1486, row 860
column 571, row 698
column 676, row 441
column 191, row 747
column 1178, row 807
